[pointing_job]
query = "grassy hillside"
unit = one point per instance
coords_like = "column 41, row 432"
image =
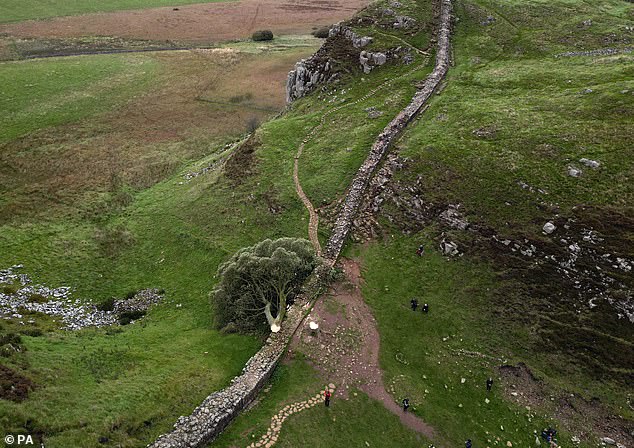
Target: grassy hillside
column 94, row 198
column 39, row 94
column 351, row 422
column 498, row 140
column 14, row 10
column 515, row 112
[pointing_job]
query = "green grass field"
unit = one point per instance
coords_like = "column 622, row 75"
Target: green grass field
column 15, row 11
column 39, row 94
column 542, row 118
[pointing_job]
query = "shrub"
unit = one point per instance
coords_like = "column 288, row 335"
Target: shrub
column 262, row 35
column 322, row 32
column 10, row 288
column 38, row 298
column 128, row 316
column 10, row 344
column 106, row 304
column 10, row 338
column 33, row 332
column 252, row 124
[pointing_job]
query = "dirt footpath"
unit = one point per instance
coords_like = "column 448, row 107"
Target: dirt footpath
column 345, row 349
column 200, row 23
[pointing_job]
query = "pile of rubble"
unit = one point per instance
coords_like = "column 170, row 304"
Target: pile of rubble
column 18, row 296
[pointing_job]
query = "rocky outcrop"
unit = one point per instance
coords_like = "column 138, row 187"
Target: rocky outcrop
column 318, row 69
column 404, row 22
column 356, row 40
column 369, row 60
column 220, row 408
column 361, row 180
column 306, row 75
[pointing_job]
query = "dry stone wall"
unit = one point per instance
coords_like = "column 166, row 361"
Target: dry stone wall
column 354, row 197
column 220, row 408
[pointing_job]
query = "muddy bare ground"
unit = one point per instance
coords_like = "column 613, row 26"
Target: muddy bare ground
column 345, row 348
column 199, row 23
column 14, row 386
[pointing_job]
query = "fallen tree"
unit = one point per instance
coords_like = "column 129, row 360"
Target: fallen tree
column 259, row 281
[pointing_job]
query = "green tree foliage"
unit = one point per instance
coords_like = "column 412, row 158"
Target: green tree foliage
column 261, row 280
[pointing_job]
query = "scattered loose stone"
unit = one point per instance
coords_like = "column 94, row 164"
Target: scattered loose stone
column 574, row 172
column 272, row 433
column 59, row 302
column 373, row 112
column 490, row 20
column 590, row 163
column 549, row 227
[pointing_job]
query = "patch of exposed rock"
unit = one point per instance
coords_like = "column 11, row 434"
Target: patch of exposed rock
column 369, row 60
column 404, row 22
column 346, row 32
column 19, row 295
column 342, row 42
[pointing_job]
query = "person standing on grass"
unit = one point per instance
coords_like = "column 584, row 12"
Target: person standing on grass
column 327, row 396
column 489, row 384
column 405, row 404
column 414, row 303
column 467, row 444
column 425, row 308
column 420, row 251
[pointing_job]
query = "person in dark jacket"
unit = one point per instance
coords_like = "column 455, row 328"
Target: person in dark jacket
column 327, row 396
column 405, row 404
column 467, row 444
column 414, row 304
column 425, row 308
column 489, row 384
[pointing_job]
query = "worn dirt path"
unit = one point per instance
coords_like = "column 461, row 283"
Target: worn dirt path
column 345, row 349
column 313, row 222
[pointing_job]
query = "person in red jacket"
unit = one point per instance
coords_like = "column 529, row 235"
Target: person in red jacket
column 327, row 396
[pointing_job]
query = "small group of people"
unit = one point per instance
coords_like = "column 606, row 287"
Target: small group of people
column 414, row 305
column 549, row 436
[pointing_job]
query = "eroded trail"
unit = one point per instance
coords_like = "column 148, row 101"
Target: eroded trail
column 313, row 221
column 418, row 103
column 346, row 347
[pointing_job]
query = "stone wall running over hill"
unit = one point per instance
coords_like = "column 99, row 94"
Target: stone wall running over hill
column 354, row 197
column 220, row 408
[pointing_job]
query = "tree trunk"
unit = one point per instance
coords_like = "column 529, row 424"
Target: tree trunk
column 276, row 322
